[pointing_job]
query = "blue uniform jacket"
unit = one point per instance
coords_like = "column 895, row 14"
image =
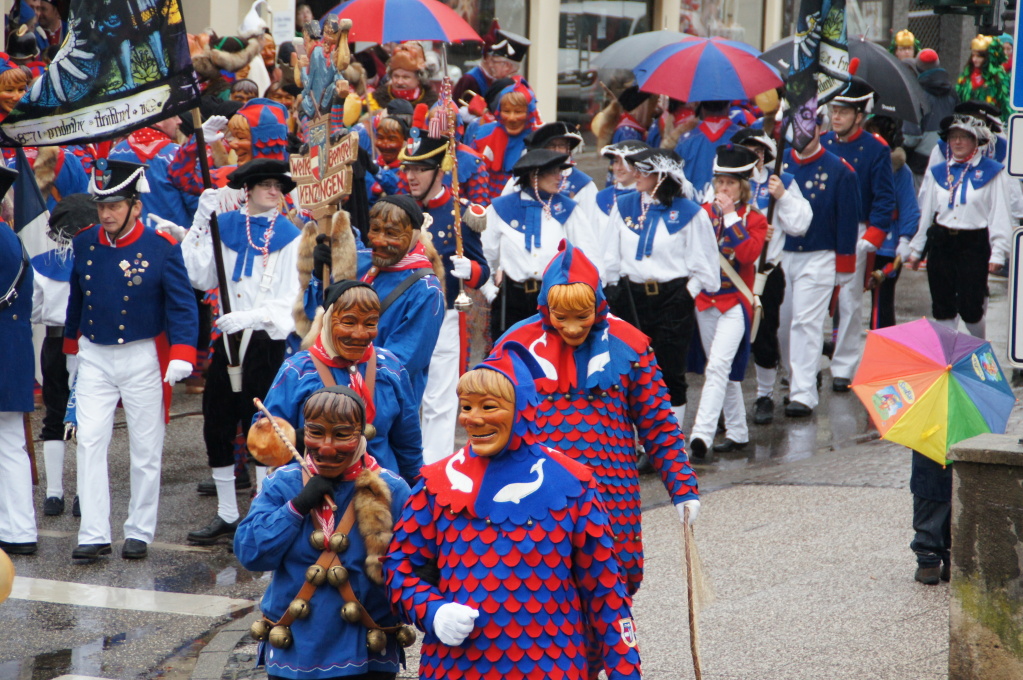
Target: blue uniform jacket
column 133, row 291
column 17, row 369
column 164, row 199
column 697, row 150
column 410, row 326
column 830, row 185
column 443, row 233
column 398, row 445
column 275, row 537
column 907, row 212
column 872, row 160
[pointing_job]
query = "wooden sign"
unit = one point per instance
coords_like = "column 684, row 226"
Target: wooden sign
column 324, row 175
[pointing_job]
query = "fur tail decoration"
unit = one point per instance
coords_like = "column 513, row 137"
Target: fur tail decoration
column 373, row 516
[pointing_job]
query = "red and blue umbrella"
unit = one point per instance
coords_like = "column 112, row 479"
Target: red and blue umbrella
column 383, row 21
column 706, row 69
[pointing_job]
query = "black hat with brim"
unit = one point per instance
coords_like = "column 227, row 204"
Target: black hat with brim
column 858, row 94
column 509, row 45
column 113, row 181
column 539, row 160
column 259, row 169
column 548, row 132
column 748, row 136
column 423, row 150
column 735, row 160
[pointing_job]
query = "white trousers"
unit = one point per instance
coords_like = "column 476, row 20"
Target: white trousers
column 130, row 373
column 440, row 400
column 721, row 334
column 17, row 514
column 809, row 283
column 850, row 339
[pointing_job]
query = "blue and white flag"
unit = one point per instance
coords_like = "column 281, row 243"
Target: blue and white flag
column 31, row 218
column 820, row 65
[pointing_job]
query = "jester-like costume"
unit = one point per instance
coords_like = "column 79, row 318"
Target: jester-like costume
column 595, row 396
column 989, row 83
column 522, row 537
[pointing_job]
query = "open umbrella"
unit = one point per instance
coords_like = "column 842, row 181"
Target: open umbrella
column 706, row 69
column 899, row 95
column 927, row 386
column 383, row 21
column 626, row 53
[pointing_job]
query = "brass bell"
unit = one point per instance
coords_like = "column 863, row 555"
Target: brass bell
column 337, row 576
column 259, row 629
column 376, row 641
column 370, row 431
column 280, row 637
column 406, row 636
column 338, row 542
column 299, row 608
column 316, row 539
column 316, row 575
column 351, row 612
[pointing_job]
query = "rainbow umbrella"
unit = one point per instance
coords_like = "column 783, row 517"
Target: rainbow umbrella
column 927, row 386
column 383, row 21
column 706, row 69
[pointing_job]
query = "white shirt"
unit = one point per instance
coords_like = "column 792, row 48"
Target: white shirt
column 586, row 199
column 276, row 305
column 1014, row 185
column 505, row 248
column 987, row 207
column 792, row 215
column 49, row 300
column 692, row 252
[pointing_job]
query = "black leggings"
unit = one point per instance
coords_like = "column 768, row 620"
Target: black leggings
column 957, row 272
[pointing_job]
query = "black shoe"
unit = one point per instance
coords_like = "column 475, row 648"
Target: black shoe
column 208, row 487
column 728, row 446
column 946, row 573
column 763, row 411
column 828, row 349
column 929, row 576
column 796, row 410
column 698, row 448
column 134, row 549
column 76, row 508
column 19, row 548
column 841, row 385
column 91, row 552
column 53, row 506
column 213, row 532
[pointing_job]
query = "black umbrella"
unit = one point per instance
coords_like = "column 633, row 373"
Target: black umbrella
column 899, row 95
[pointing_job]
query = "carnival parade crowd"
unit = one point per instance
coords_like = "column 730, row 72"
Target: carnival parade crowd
column 518, row 554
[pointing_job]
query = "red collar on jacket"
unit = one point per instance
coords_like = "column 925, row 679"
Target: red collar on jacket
column 133, row 235
column 810, row 159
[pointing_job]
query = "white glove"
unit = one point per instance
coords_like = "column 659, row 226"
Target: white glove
column 208, row 203
column 453, row 622
column 177, row 369
column 844, row 278
column 239, row 321
column 903, row 250
column 461, row 267
column 863, row 246
column 694, row 510
column 177, row 232
column 489, row 290
column 213, row 128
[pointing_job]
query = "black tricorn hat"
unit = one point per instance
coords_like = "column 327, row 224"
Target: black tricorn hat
column 632, row 97
column 548, row 132
column 73, row 213
column 747, row 136
column 259, row 169
column 7, row 177
column 735, row 160
column 858, row 94
column 540, row 160
column 423, row 150
column 120, row 180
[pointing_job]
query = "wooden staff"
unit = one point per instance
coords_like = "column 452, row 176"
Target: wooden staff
column 294, row 452
column 463, row 303
column 694, row 632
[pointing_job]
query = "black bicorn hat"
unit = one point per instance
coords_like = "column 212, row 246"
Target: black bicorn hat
column 548, row 132
column 423, row 149
column 73, row 213
column 748, row 136
column 632, row 97
column 735, row 160
column 509, row 45
column 114, row 181
column 858, row 94
column 259, row 169
column 539, row 160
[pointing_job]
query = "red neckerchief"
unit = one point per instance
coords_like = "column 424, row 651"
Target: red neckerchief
column 133, row 235
column 440, row 200
column 414, row 259
column 396, row 163
column 630, row 122
column 147, row 142
column 714, row 127
column 324, row 513
column 355, row 379
column 408, row 95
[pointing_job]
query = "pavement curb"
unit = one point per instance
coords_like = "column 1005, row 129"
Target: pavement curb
column 217, row 653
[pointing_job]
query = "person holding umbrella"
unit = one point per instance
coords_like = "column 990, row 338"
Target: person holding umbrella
column 872, row 161
column 964, row 226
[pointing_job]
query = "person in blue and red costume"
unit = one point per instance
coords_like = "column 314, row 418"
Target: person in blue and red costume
column 131, row 321
column 637, row 115
column 871, row 158
column 504, row 554
column 696, row 147
column 390, row 130
column 339, row 625
column 601, row 377
column 815, row 263
column 503, row 142
column 503, row 52
column 341, row 354
column 422, row 161
column 724, row 315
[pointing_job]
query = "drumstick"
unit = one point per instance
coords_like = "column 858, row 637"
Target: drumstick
column 294, row 452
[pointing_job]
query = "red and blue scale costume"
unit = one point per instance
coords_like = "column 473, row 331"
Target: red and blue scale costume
column 523, row 537
column 592, row 398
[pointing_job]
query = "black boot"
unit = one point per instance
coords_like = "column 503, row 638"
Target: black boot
column 213, row 532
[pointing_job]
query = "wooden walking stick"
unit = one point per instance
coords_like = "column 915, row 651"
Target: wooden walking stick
column 694, row 632
column 291, row 447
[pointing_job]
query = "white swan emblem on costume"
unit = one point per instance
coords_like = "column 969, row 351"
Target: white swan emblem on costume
column 459, row 480
column 548, row 368
column 516, row 492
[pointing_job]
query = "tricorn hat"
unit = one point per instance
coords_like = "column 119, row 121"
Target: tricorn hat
column 120, row 180
column 539, row 160
column 624, row 148
column 259, row 169
column 547, row 133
